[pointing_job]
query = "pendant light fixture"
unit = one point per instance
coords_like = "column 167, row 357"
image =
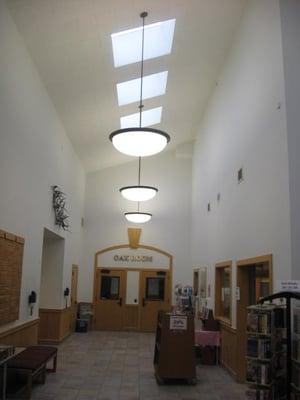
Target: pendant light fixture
column 139, row 141
column 138, row 217
column 138, row 192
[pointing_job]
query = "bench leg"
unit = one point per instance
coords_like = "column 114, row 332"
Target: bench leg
column 40, row 376
column 54, row 365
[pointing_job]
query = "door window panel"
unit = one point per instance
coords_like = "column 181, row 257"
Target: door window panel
column 155, row 288
column 110, row 287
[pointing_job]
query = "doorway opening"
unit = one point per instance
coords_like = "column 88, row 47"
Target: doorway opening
column 51, row 288
column 74, row 285
column 254, row 280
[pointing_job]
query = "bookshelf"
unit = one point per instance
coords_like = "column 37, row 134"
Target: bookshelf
column 295, row 378
column 174, row 353
column 266, row 335
column 273, row 348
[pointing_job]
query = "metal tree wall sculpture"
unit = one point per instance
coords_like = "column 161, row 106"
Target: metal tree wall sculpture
column 59, row 206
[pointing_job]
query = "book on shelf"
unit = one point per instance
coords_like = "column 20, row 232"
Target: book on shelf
column 296, row 376
column 296, row 349
column 259, row 373
column 264, row 319
column 259, row 394
column 252, row 322
column 259, row 348
column 295, row 396
column 296, row 320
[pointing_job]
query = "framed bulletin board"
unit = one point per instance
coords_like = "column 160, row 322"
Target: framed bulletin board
column 11, row 257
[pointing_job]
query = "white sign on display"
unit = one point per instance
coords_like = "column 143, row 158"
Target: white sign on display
column 238, row 293
column 288, row 286
column 178, row 323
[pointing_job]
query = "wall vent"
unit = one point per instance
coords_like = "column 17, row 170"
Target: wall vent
column 208, row 207
column 240, row 175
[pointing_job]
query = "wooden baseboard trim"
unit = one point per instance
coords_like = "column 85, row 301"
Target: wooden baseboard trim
column 53, row 341
column 229, row 370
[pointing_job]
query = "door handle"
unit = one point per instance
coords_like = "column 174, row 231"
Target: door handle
column 144, row 302
column 120, row 302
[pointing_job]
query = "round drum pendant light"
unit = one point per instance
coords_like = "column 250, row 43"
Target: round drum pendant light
column 139, row 141
column 138, row 217
column 138, row 193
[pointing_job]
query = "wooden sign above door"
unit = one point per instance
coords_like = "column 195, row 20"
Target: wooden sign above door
column 134, row 235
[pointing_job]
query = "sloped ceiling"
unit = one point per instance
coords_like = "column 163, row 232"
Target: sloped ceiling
column 70, row 44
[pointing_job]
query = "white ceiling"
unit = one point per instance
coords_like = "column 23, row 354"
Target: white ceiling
column 70, row 44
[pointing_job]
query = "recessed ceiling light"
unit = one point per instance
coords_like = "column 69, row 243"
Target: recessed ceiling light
column 158, row 42
column 153, row 85
column 149, row 117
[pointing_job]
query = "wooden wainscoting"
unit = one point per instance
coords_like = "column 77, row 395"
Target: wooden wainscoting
column 22, row 335
column 55, row 325
column 229, row 348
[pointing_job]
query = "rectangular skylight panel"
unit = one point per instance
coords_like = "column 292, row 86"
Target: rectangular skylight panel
column 153, row 85
column 127, row 45
column 149, row 117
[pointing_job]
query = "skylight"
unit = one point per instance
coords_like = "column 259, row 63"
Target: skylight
column 158, row 42
column 149, row 117
column 153, row 85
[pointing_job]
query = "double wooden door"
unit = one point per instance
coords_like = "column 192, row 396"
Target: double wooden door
column 130, row 299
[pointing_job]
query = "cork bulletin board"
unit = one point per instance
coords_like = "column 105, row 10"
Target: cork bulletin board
column 11, row 257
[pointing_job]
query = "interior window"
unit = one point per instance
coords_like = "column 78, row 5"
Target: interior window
column 155, row 288
column 223, row 292
column 226, row 292
column 110, row 287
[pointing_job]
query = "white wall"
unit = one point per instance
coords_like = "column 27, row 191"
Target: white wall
column 245, row 126
column 169, row 229
column 290, row 18
column 34, row 154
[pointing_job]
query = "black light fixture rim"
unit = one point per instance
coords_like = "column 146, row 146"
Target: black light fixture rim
column 124, row 130
column 138, row 212
column 137, row 187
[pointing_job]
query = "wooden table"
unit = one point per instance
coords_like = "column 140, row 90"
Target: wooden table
column 208, row 338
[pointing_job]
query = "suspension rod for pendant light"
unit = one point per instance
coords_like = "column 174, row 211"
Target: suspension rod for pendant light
column 140, row 141
column 138, row 192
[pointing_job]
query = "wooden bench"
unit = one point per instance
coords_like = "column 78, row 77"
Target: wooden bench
column 29, row 367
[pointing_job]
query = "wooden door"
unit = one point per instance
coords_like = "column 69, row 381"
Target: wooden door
column 109, row 302
column 131, row 306
column 155, row 295
column 74, row 283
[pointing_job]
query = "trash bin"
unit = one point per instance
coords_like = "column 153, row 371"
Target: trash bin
column 82, row 325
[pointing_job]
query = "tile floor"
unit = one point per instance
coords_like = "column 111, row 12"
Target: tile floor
column 119, row 366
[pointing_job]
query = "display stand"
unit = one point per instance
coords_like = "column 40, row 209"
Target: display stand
column 174, row 354
column 268, row 332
